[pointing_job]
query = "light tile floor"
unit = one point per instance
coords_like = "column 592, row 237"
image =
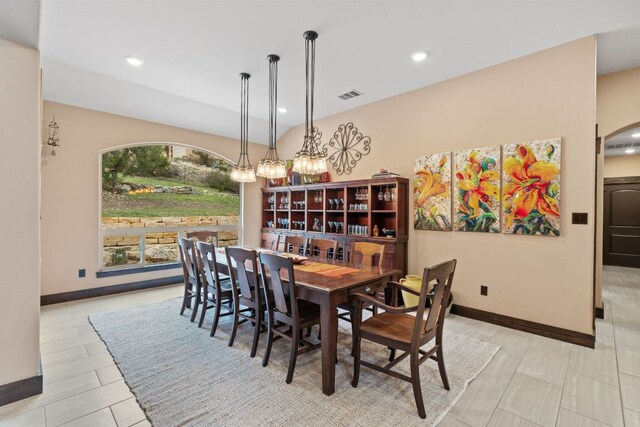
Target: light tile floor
column 531, row 381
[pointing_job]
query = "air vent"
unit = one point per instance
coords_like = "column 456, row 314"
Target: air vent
column 348, row 95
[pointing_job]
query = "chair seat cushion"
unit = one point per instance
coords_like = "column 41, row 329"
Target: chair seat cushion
column 391, row 326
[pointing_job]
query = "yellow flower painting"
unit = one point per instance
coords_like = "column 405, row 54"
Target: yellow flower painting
column 432, row 192
column 531, row 192
column 476, row 187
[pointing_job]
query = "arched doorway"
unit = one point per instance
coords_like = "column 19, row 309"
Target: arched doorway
column 152, row 193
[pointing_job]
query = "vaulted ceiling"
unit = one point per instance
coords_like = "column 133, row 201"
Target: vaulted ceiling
column 194, row 50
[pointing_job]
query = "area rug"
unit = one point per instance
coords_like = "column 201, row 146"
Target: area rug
column 181, row 376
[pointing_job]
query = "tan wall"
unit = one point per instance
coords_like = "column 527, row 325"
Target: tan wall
column 70, row 183
column 622, row 166
column 544, row 95
column 19, row 222
column 618, row 101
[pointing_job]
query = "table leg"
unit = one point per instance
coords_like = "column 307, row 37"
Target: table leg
column 329, row 325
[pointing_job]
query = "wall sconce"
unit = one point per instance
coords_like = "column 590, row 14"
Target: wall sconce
column 54, row 139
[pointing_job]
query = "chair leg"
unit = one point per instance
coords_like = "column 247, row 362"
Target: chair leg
column 267, row 349
column 216, row 316
column 185, row 298
column 256, row 332
column 392, row 354
column 356, row 360
column 441, row 368
column 352, row 313
column 236, row 310
column 415, row 382
column 293, row 356
column 196, row 303
column 205, row 304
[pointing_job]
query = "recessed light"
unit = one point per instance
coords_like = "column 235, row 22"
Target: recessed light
column 635, row 135
column 133, row 61
column 629, row 151
column 282, row 110
column 419, row 56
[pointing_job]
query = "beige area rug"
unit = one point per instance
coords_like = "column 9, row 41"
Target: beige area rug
column 181, row 376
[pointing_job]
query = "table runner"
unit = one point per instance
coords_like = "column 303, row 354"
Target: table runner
column 325, row 269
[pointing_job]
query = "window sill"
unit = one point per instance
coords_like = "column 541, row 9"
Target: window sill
column 135, row 270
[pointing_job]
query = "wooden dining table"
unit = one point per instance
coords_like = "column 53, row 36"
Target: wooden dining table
column 329, row 283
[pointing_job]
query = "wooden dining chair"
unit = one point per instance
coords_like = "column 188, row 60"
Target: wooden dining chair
column 204, row 236
column 366, row 253
column 397, row 329
column 296, row 245
column 246, row 292
column 216, row 290
column 191, row 277
column 269, row 241
column 287, row 316
column 323, row 248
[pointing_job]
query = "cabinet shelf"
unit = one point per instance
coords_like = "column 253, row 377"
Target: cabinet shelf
column 392, row 215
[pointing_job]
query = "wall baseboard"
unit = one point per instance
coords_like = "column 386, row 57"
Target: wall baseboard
column 21, row 389
column 600, row 312
column 108, row 290
column 554, row 332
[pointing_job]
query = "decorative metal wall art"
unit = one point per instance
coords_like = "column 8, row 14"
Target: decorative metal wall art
column 348, row 146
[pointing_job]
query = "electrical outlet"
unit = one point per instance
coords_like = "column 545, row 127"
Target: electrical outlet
column 484, row 290
column 82, row 272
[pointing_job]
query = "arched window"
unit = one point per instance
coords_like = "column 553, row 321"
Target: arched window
column 151, row 194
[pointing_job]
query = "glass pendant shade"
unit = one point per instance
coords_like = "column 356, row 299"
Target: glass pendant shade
column 243, row 171
column 310, row 160
column 271, row 166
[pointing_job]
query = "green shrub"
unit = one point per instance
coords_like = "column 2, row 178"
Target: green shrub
column 222, row 182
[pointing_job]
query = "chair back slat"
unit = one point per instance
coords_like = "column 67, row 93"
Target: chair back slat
column 245, row 280
column 366, row 253
column 269, row 241
column 187, row 256
column 280, row 269
column 323, row 248
column 208, row 269
column 296, row 245
column 203, row 236
column 442, row 276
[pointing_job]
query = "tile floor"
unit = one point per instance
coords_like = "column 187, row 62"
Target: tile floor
column 532, row 380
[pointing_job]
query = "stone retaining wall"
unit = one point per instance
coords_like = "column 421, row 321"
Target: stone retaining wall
column 160, row 247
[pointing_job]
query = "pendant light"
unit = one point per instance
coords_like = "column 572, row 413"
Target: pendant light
column 243, row 171
column 310, row 160
column 271, row 166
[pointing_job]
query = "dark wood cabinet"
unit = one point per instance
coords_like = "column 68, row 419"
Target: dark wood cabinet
column 347, row 211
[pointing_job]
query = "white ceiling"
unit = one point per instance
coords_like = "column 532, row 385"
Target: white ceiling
column 19, row 21
column 194, row 50
column 617, row 145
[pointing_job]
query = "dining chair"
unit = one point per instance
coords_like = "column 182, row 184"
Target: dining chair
column 323, row 248
column 366, row 254
column 397, row 329
column 287, row 316
column 191, row 277
column 204, row 236
column 269, row 241
column 296, row 245
column 216, row 290
column 246, row 292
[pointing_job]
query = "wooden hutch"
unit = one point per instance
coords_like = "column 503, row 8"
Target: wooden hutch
column 347, row 211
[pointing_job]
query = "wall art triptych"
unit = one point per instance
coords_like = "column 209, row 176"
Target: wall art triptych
column 516, row 189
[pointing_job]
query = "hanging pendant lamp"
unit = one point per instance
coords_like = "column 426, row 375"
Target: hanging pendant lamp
column 243, row 171
column 310, row 160
column 271, row 166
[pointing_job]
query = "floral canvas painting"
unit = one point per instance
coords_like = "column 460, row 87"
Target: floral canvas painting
column 531, row 192
column 477, row 190
column 432, row 192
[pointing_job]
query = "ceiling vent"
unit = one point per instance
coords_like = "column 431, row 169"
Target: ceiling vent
column 348, row 95
column 619, row 146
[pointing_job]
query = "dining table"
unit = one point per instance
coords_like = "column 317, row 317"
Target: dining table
column 328, row 283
